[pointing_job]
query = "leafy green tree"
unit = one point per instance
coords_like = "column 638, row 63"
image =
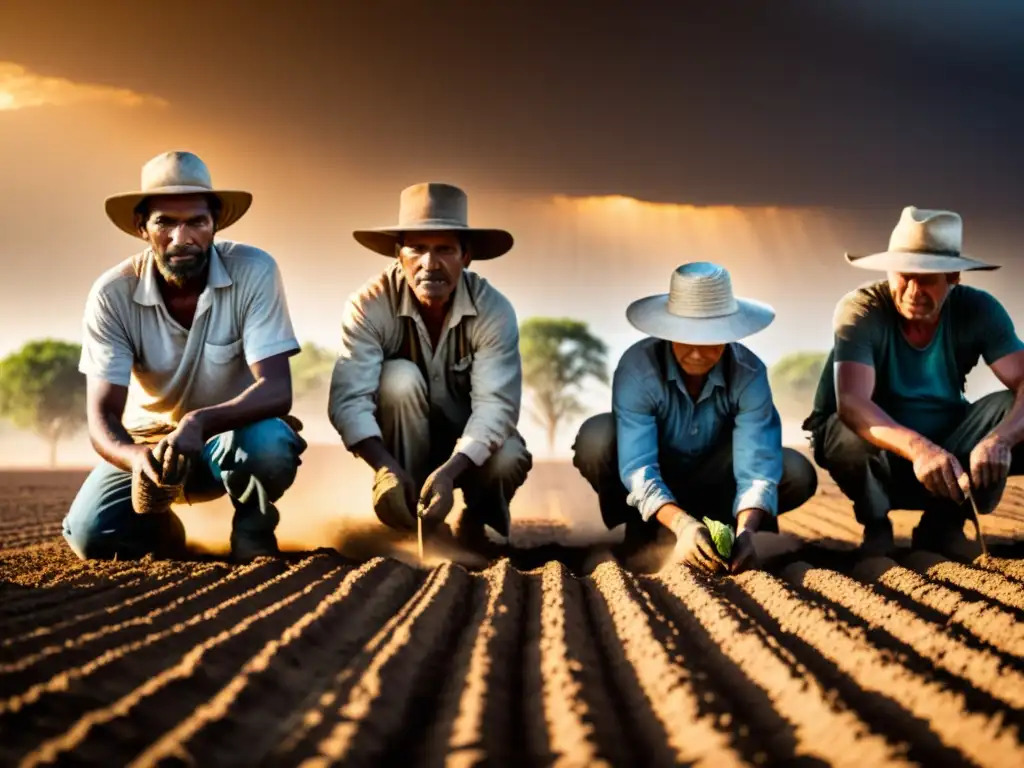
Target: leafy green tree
column 794, row 380
column 311, row 369
column 41, row 390
column 559, row 354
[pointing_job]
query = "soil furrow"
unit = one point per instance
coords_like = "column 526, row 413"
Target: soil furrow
column 743, row 656
column 53, row 604
column 408, row 663
column 82, row 622
column 79, row 647
column 28, row 538
column 666, row 693
column 993, row 586
column 275, row 680
column 568, row 713
column 982, row 669
column 926, row 709
column 1012, row 569
column 988, row 623
column 310, row 723
column 474, row 720
column 130, row 740
column 139, row 658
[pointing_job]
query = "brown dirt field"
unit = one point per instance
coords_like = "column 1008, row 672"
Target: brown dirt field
column 550, row 656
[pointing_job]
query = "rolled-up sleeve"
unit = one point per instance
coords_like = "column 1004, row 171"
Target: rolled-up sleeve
column 356, row 376
column 107, row 351
column 497, row 382
column 635, row 407
column 266, row 324
column 757, row 447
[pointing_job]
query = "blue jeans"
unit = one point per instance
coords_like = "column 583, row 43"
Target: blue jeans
column 254, row 465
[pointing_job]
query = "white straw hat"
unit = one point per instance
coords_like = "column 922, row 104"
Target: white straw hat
column 923, row 241
column 699, row 308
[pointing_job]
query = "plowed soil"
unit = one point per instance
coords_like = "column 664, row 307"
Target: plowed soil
column 545, row 657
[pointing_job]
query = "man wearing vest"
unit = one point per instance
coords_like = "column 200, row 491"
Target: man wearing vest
column 428, row 382
column 693, row 431
column 890, row 422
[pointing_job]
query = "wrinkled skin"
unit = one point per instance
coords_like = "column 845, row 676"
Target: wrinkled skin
column 433, row 264
column 180, row 231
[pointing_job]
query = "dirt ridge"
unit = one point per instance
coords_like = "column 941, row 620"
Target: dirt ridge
column 313, row 659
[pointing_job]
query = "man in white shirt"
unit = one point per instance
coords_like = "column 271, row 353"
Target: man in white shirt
column 185, row 350
column 428, row 384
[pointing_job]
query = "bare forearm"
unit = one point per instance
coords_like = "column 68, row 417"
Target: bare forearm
column 868, row 420
column 1011, row 429
column 457, row 464
column 373, row 451
column 264, row 399
column 112, row 442
column 668, row 515
column 750, row 519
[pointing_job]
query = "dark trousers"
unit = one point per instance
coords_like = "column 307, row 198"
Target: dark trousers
column 706, row 488
column 422, row 439
column 877, row 481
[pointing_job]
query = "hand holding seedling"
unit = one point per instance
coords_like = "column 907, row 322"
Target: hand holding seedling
column 695, row 546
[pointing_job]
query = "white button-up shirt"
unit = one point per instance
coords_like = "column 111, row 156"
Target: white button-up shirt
column 130, row 339
column 491, row 370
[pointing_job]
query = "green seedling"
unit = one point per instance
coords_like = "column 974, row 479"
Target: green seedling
column 722, row 535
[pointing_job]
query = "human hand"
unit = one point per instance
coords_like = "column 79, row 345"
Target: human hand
column 938, row 470
column 144, row 464
column 744, row 556
column 394, row 497
column 990, row 462
column 176, row 452
column 695, row 547
column 437, row 497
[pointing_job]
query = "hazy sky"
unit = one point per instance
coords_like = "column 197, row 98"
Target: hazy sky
column 769, row 137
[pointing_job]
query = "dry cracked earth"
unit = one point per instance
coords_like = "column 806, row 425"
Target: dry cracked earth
column 317, row 659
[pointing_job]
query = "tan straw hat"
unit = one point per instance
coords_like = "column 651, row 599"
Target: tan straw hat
column 176, row 173
column 699, row 308
column 435, row 207
column 923, row 241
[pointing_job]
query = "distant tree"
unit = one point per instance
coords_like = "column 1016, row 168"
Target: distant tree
column 794, row 380
column 558, row 355
column 41, row 390
column 311, row 369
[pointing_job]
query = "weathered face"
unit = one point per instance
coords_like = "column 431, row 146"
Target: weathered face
column 697, row 360
column 180, row 233
column 921, row 296
column 433, row 264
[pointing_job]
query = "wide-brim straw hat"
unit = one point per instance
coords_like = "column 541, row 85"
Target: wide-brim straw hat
column 176, row 173
column 699, row 309
column 923, row 241
column 436, row 207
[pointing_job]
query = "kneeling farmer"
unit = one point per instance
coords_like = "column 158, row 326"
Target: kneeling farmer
column 891, row 423
column 185, row 350
column 428, row 384
column 693, row 431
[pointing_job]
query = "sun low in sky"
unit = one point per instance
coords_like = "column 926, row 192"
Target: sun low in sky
column 20, row 88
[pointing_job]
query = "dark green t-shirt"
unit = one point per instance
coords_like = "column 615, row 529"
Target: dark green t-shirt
column 920, row 388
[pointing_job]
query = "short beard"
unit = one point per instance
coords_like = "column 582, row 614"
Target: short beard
column 179, row 276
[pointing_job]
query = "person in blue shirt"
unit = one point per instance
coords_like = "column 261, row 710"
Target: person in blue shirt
column 693, row 431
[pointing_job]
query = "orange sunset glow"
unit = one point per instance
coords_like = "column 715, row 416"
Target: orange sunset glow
column 21, row 88
column 75, row 128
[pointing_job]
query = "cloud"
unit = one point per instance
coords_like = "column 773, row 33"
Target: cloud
column 22, row 89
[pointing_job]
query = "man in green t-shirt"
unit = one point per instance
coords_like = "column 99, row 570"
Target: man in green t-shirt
column 890, row 422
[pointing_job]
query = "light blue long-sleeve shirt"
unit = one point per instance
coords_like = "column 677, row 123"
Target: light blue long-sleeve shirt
column 654, row 411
